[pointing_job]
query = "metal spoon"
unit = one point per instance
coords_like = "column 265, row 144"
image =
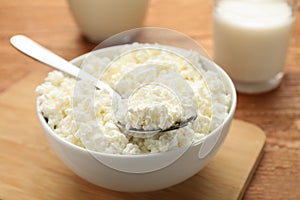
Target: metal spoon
column 149, row 133
column 40, row 53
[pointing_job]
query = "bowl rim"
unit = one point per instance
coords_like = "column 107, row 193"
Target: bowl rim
column 77, row 60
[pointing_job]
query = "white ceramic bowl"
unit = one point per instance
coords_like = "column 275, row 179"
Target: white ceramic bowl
column 86, row 164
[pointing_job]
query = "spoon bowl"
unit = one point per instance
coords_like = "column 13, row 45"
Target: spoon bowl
column 140, row 133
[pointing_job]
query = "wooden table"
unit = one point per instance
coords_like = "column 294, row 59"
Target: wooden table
column 277, row 112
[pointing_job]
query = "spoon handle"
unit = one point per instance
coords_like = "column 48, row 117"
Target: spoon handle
column 40, row 53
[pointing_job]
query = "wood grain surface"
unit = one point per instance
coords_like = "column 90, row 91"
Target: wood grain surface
column 30, row 169
column 277, row 112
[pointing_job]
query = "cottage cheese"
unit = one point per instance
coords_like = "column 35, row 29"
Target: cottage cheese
column 153, row 107
column 85, row 116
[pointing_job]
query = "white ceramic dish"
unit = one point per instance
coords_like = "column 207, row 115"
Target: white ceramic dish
column 86, row 163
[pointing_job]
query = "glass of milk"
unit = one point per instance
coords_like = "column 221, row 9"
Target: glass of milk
column 100, row 19
column 251, row 38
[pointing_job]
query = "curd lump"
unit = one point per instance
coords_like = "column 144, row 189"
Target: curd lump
column 153, row 107
column 83, row 115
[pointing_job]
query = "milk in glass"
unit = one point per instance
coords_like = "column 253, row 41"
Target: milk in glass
column 251, row 38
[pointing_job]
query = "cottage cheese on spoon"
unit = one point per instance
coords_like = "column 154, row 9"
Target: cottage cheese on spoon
column 153, row 107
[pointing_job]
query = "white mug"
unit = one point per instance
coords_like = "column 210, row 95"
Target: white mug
column 100, row 19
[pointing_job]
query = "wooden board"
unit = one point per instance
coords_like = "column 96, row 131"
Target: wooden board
column 29, row 169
